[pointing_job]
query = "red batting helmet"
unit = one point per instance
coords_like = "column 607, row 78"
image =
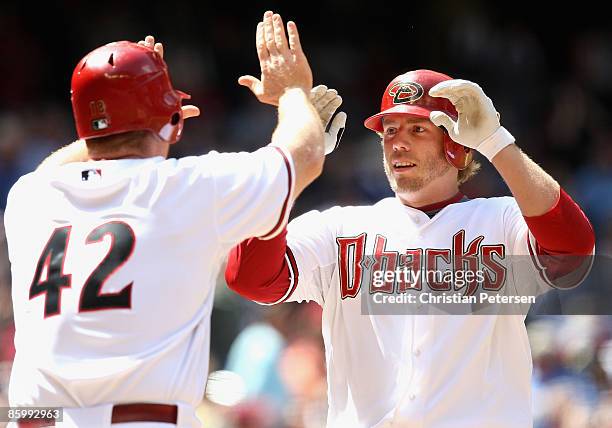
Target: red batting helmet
column 122, row 87
column 408, row 93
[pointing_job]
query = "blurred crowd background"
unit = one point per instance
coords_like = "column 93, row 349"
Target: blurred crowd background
column 551, row 80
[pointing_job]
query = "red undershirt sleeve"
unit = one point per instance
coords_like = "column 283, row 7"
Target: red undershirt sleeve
column 262, row 270
column 564, row 237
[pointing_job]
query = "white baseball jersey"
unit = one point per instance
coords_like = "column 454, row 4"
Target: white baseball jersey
column 419, row 370
column 114, row 265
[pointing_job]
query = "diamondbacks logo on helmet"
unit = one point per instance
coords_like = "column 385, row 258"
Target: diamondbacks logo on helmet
column 406, row 92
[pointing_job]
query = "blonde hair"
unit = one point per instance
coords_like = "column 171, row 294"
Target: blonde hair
column 465, row 174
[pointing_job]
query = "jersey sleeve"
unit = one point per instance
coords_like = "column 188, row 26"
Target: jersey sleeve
column 11, row 221
column 295, row 266
column 311, row 254
column 536, row 270
column 252, row 193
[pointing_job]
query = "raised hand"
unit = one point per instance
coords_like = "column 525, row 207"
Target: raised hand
column 149, row 42
column 478, row 124
column 326, row 102
column 282, row 62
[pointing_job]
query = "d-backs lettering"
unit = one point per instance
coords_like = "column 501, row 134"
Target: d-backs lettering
column 414, row 266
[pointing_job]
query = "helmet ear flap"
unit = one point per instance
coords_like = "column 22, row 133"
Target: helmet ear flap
column 457, row 155
column 172, row 131
column 179, row 119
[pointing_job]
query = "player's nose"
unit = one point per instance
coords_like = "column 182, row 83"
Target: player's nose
column 402, row 142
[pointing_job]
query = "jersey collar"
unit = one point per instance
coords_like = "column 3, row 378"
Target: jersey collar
column 433, row 209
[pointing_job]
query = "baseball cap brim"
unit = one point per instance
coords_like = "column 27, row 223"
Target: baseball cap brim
column 375, row 122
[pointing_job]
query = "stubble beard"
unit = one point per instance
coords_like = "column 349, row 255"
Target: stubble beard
column 431, row 168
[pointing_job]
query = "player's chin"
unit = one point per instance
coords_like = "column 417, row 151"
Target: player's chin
column 407, row 184
column 407, row 174
column 403, row 181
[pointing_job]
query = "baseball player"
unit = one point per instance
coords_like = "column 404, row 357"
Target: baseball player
column 114, row 259
column 426, row 369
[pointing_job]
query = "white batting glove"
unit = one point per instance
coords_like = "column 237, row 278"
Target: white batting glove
column 326, row 102
column 477, row 126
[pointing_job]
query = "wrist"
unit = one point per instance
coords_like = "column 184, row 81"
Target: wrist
column 495, row 143
column 293, row 100
column 294, row 91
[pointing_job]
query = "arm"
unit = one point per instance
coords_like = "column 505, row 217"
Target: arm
column 548, row 211
column 266, row 271
column 326, row 102
column 286, row 81
column 299, row 131
column 296, row 265
column 73, row 152
column 258, row 269
column 535, row 191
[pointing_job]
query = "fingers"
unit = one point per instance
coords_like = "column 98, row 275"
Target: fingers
column 250, row 82
column 442, row 89
column 333, row 105
column 268, row 28
column 260, row 43
column 442, row 119
column 466, row 87
column 159, row 49
column 445, row 89
column 149, row 42
column 317, row 92
column 190, row 111
column 294, row 38
column 280, row 38
column 328, row 110
column 325, row 101
column 454, row 89
column 329, row 95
